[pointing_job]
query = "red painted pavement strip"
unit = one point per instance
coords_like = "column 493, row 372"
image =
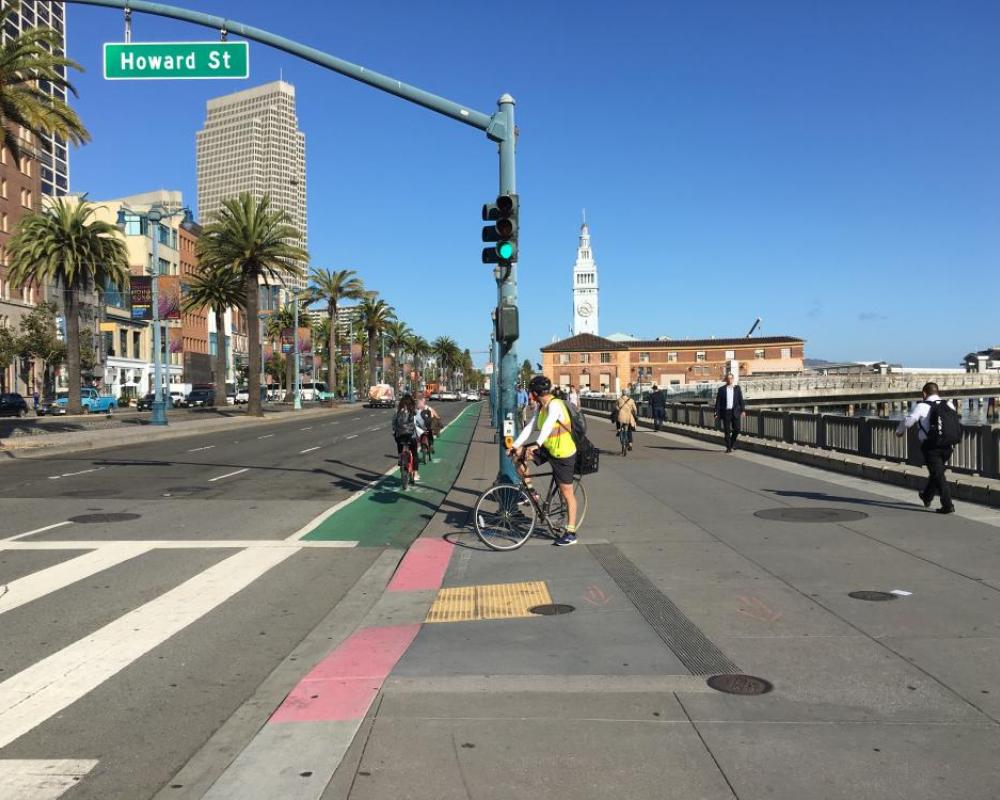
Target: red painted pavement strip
column 343, row 685
column 423, row 567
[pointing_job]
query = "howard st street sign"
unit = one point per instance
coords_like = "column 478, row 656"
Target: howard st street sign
column 171, row 60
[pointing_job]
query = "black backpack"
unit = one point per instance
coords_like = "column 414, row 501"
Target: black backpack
column 426, row 416
column 944, row 426
column 587, row 455
column 402, row 425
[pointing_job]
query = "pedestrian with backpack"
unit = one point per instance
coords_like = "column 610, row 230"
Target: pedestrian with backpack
column 939, row 429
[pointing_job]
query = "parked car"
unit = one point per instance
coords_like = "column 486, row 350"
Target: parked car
column 90, row 399
column 230, row 398
column 145, row 403
column 199, row 398
column 177, row 398
column 243, row 395
column 472, row 397
column 449, row 396
column 13, row 405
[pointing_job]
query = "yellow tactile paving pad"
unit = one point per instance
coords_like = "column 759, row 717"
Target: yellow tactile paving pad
column 489, row 601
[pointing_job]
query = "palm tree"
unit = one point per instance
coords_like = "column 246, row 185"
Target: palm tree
column 217, row 289
column 279, row 322
column 65, row 246
column 249, row 238
column 397, row 336
column 419, row 348
column 332, row 286
column 375, row 316
column 445, row 350
column 26, row 62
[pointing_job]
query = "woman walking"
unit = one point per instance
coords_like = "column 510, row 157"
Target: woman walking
column 627, row 414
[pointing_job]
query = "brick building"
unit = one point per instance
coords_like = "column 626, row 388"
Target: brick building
column 598, row 364
column 194, row 323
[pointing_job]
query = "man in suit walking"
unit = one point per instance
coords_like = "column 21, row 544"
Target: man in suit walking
column 729, row 408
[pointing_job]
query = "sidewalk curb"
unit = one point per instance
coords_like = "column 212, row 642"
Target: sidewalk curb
column 217, row 754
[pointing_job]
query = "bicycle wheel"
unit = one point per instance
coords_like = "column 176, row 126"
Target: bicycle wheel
column 404, row 471
column 623, row 436
column 555, row 507
column 504, row 517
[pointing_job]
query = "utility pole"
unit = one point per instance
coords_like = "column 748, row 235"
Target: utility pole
column 298, row 376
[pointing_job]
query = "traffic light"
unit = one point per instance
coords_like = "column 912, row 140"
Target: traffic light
column 502, row 231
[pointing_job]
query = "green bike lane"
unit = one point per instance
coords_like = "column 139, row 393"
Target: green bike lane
column 385, row 516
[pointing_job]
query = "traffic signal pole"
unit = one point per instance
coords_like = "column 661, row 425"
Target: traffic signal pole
column 499, row 127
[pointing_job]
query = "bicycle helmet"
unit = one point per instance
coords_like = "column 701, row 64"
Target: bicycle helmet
column 540, row 385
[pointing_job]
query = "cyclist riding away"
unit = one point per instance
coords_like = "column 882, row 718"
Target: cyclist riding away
column 553, row 444
column 407, row 426
column 427, row 415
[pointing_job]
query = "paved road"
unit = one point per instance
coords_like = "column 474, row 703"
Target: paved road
column 120, row 635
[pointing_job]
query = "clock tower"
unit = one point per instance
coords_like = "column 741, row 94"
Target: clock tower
column 585, row 286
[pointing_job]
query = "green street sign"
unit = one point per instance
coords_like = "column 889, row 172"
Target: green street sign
column 171, row 60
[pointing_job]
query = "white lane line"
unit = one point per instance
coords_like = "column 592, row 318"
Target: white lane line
column 71, row 474
column 309, row 449
column 169, row 544
column 38, row 530
column 56, row 577
column 199, row 449
column 266, row 436
column 306, row 429
column 41, row 779
column 352, row 436
column 42, row 690
column 354, row 418
column 228, row 475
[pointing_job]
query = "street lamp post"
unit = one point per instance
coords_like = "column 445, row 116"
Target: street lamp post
column 159, row 409
column 298, row 375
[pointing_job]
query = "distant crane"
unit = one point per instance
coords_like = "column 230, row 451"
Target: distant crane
column 752, row 329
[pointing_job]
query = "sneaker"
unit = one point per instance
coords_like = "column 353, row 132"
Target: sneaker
column 927, row 502
column 565, row 540
column 416, row 477
column 946, row 510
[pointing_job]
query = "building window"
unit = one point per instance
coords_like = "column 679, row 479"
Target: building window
column 758, row 353
column 584, row 358
column 672, row 358
column 643, row 358
column 605, row 358
column 786, row 352
column 699, row 356
column 4, row 223
column 3, row 188
column 136, row 344
column 730, row 355
column 564, row 358
column 122, row 343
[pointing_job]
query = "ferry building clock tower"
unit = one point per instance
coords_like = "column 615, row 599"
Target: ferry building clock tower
column 585, row 319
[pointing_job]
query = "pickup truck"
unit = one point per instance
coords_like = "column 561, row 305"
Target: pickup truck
column 90, row 400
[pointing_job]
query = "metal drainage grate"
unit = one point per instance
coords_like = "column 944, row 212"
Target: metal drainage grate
column 740, row 684
column 865, row 594
column 187, row 489
column 694, row 650
column 810, row 514
column 92, row 519
column 552, row 609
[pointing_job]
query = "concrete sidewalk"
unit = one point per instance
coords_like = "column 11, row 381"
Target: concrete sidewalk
column 693, row 562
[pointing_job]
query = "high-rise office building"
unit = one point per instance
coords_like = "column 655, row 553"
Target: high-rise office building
column 251, row 142
column 52, row 152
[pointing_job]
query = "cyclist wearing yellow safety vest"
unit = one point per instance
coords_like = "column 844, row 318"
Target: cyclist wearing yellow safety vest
column 553, row 444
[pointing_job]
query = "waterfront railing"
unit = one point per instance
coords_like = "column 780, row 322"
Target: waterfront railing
column 869, row 437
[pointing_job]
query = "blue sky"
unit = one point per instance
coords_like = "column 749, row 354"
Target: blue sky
column 830, row 166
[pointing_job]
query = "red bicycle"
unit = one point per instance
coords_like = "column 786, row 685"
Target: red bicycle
column 407, row 465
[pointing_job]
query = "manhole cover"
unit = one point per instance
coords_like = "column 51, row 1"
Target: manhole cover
column 810, row 514
column 551, row 609
column 187, row 489
column 92, row 519
column 865, row 594
column 740, row 684
column 95, row 493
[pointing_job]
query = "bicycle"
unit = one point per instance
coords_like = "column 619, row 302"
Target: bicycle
column 506, row 514
column 623, row 437
column 426, row 451
column 406, row 466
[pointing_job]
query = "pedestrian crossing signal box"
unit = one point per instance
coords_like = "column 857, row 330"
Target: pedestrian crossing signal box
column 508, row 442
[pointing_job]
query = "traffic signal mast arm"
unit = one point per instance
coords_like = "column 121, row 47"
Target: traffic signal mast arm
column 495, row 126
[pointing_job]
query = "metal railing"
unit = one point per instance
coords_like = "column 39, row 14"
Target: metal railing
column 870, row 437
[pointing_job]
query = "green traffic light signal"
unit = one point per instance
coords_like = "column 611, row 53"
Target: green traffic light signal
column 503, row 231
